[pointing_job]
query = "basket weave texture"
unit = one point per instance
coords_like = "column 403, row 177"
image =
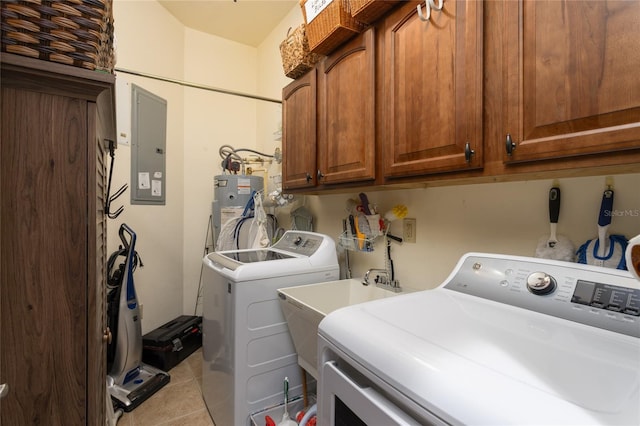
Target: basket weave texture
column 72, row 32
column 368, row 11
column 296, row 56
column 333, row 26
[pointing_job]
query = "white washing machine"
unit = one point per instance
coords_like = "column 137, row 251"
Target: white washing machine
column 504, row 340
column 247, row 349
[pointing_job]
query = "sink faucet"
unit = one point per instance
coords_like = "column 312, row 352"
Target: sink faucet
column 384, row 278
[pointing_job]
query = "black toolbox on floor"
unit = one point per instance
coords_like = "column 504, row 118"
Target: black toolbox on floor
column 172, row 342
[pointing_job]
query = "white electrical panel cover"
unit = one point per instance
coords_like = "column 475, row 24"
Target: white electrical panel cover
column 148, row 147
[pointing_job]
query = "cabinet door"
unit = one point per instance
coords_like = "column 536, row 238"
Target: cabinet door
column 299, row 132
column 346, row 112
column 432, row 92
column 52, row 251
column 44, row 258
column 572, row 85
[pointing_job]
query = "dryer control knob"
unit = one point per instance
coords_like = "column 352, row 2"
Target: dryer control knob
column 541, row 283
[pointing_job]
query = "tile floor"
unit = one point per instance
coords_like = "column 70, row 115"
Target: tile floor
column 179, row 403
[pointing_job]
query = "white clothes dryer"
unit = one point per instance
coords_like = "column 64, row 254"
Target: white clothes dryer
column 247, row 348
column 505, row 340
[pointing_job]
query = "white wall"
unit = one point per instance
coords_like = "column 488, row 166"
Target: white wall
column 211, row 120
column 150, row 40
column 494, row 217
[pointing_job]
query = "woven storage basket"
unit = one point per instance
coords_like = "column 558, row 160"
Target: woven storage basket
column 73, row 32
column 368, row 11
column 333, row 26
column 296, row 57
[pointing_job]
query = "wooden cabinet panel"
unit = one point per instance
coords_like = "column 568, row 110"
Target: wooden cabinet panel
column 43, row 183
column 432, row 91
column 52, row 260
column 346, row 112
column 572, row 85
column 299, row 132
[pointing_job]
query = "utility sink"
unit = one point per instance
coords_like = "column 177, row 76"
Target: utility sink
column 306, row 305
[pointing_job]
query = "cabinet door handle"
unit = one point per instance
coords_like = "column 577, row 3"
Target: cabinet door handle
column 320, row 175
column 468, row 152
column 510, row 145
column 308, row 178
column 107, row 336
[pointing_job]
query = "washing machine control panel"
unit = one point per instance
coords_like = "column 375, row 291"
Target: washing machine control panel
column 600, row 297
column 299, row 242
column 610, row 297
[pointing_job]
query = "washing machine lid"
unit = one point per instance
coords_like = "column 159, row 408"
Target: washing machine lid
column 470, row 360
column 296, row 252
column 251, row 256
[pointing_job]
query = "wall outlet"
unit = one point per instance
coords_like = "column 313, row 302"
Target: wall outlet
column 409, row 230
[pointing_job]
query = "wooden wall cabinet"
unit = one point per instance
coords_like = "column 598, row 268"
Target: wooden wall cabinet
column 533, row 88
column 329, row 119
column 55, row 119
column 346, row 112
column 432, row 90
column 299, row 168
column 572, row 85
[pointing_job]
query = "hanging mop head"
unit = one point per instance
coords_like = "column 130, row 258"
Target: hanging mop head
column 607, row 251
column 563, row 249
column 613, row 257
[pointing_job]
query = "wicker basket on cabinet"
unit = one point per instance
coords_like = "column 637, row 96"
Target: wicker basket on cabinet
column 368, row 11
column 331, row 27
column 297, row 59
column 73, row 32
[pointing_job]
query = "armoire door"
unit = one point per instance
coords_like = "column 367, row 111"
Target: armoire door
column 43, row 258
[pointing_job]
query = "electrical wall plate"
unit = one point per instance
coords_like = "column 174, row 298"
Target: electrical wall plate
column 409, row 230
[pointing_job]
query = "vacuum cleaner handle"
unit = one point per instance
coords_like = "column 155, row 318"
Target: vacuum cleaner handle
column 606, row 208
column 132, row 236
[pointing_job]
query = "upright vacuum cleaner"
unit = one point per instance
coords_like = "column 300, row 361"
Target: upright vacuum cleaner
column 129, row 381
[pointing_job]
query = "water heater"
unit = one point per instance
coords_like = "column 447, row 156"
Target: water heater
column 231, row 194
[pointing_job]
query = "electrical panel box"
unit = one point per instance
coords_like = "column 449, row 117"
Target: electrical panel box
column 148, row 147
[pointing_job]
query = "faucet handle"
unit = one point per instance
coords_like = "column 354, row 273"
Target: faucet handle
column 381, row 279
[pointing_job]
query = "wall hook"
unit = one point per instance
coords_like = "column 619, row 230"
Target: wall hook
column 608, row 182
column 118, row 193
column 424, row 18
column 433, row 6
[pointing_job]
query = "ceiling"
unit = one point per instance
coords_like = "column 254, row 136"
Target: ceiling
column 244, row 21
